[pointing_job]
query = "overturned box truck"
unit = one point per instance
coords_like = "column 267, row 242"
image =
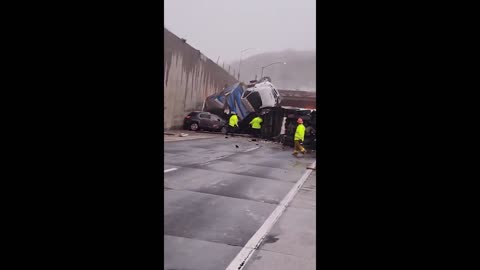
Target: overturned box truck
column 257, row 98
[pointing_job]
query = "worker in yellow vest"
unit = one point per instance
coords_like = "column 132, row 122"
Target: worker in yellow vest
column 299, row 137
column 256, row 126
column 232, row 124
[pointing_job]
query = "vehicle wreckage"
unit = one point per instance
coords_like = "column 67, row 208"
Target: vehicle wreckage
column 262, row 98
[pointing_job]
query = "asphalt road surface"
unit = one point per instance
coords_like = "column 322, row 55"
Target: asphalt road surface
column 218, row 193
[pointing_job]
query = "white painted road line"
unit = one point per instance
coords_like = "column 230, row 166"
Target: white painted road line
column 208, row 162
column 221, row 157
column 251, row 149
column 246, row 253
column 170, row 170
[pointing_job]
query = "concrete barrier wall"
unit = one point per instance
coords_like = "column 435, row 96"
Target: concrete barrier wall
column 189, row 77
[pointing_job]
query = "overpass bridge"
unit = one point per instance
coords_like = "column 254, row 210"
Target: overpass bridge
column 297, row 98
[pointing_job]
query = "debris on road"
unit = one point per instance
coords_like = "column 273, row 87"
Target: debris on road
column 182, row 135
column 236, row 146
column 312, row 166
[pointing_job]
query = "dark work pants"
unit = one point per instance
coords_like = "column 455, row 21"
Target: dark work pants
column 230, row 130
column 256, row 132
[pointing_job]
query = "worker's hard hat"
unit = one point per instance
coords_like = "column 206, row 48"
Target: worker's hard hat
column 300, row 121
column 233, row 112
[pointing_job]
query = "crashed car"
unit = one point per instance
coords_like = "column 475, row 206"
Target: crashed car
column 198, row 120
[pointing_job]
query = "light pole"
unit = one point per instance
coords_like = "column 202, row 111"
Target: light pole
column 270, row 65
column 240, row 64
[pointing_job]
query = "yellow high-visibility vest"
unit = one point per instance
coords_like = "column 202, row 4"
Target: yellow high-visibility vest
column 233, row 120
column 300, row 132
column 256, row 122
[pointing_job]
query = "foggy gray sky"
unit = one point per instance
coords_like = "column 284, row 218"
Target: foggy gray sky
column 225, row 27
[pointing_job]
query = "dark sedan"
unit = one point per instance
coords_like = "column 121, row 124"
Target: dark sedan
column 205, row 121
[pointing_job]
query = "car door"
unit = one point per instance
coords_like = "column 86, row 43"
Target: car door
column 205, row 122
column 216, row 122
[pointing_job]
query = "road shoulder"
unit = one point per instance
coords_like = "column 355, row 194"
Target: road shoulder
column 291, row 242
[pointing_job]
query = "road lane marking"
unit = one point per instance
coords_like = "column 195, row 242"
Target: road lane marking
column 251, row 149
column 208, row 162
column 170, row 170
column 229, row 155
column 253, row 244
